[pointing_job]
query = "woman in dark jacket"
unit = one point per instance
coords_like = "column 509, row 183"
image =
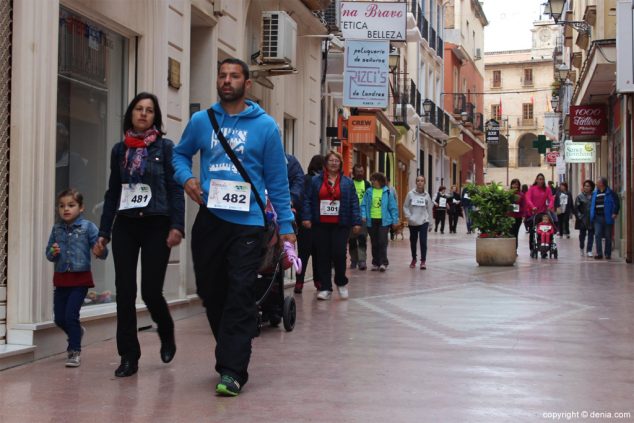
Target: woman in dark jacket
column 563, row 205
column 582, row 217
column 304, row 235
column 150, row 217
column 331, row 209
column 455, row 210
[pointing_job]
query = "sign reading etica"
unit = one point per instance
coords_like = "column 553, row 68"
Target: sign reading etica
column 364, row 20
column 588, row 121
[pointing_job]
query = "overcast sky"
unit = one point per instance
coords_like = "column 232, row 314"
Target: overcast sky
column 510, row 22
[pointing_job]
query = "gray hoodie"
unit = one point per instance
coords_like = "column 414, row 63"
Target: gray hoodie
column 417, row 208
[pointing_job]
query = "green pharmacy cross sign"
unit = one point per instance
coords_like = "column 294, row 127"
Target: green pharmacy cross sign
column 541, row 144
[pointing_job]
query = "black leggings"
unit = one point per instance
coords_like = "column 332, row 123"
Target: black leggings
column 440, row 219
column 129, row 236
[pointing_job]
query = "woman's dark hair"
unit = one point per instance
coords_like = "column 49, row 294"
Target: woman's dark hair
column 379, row 177
column 316, row 164
column 563, row 184
column 234, row 61
column 516, row 181
column 524, row 188
column 537, row 177
column 158, row 116
column 71, row 192
column 591, row 182
column 442, row 188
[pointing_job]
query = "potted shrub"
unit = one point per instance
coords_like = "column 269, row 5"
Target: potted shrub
column 495, row 245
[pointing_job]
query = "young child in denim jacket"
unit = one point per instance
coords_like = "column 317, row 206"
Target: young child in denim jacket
column 69, row 247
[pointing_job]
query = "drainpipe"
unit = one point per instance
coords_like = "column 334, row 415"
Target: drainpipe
column 630, row 178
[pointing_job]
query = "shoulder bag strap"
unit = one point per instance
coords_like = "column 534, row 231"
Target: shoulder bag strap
column 234, row 159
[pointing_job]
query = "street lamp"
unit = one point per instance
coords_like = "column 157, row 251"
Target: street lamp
column 393, row 59
column 555, row 8
column 427, row 106
column 554, row 101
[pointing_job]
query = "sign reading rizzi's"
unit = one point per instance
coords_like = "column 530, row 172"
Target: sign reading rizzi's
column 362, row 20
column 365, row 76
column 588, row 121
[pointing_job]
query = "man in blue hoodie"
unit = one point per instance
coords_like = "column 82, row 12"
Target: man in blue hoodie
column 228, row 234
column 604, row 209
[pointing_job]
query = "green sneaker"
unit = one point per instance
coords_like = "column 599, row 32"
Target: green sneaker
column 228, row 387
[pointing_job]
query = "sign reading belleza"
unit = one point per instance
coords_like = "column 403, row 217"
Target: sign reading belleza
column 363, row 20
column 588, row 121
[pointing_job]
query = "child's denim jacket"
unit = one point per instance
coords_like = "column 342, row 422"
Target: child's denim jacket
column 75, row 243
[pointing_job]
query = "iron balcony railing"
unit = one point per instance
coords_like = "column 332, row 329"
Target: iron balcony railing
column 432, row 38
column 423, row 25
column 478, row 122
column 440, row 118
column 447, row 123
column 440, row 47
column 470, row 110
column 459, row 103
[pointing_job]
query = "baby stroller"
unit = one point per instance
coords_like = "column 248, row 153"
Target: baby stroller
column 549, row 250
column 273, row 306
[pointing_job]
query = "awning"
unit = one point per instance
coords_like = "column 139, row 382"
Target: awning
column 404, row 153
column 597, row 76
column 456, row 147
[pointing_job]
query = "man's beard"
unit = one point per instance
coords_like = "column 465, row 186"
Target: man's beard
column 236, row 94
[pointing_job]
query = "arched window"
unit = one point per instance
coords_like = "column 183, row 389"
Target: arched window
column 498, row 154
column 527, row 155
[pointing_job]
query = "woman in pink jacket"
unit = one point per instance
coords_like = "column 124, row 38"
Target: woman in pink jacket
column 538, row 200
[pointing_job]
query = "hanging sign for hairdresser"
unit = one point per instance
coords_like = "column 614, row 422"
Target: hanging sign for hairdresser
column 362, row 20
column 590, row 121
column 365, row 82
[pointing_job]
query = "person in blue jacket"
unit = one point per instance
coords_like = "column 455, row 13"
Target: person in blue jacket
column 604, row 208
column 379, row 212
column 228, row 233
column 331, row 209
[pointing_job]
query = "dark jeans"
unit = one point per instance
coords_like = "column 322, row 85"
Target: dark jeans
column 603, row 230
column 304, row 251
column 582, row 238
column 358, row 245
column 378, row 238
column 331, row 241
column 467, row 217
column 149, row 235
column 226, row 259
column 515, row 230
column 564, row 224
column 66, row 304
column 416, row 233
column 453, row 221
column 440, row 219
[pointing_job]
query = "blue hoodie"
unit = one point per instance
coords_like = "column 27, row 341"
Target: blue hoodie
column 255, row 138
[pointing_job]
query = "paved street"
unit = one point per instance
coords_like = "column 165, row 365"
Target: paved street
column 454, row 343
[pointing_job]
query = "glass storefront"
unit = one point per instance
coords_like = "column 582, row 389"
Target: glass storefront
column 91, row 99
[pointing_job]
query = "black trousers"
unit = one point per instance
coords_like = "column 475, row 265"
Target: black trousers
column 453, row 221
column 416, row 232
column 378, row 239
column 330, row 250
column 440, row 219
column 129, row 236
column 515, row 230
column 226, row 258
column 304, row 251
column 563, row 221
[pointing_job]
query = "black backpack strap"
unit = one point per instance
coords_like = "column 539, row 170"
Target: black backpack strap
column 235, row 160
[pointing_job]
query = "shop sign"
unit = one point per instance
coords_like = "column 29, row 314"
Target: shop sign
column 363, row 20
column 577, row 152
column 551, row 126
column 561, row 166
column 588, row 121
column 362, row 129
column 365, row 77
column 492, row 132
column 551, row 157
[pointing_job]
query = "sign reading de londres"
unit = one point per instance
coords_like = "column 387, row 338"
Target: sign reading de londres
column 363, row 20
column 365, row 75
column 588, row 121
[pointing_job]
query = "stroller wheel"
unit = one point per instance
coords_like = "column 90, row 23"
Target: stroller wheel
column 289, row 313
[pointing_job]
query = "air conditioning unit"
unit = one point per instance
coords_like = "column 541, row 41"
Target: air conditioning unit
column 279, row 38
column 478, row 54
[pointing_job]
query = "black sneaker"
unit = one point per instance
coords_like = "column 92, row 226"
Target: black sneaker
column 228, row 387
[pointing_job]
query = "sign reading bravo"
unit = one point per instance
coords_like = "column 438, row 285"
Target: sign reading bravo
column 588, row 121
column 362, row 20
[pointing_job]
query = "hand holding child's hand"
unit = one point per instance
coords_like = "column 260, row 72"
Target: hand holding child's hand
column 174, row 238
column 99, row 248
column 55, row 250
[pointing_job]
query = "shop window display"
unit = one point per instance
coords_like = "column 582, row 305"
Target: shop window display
column 91, row 94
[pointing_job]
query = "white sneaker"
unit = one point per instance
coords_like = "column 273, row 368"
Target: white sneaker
column 382, row 268
column 589, row 254
column 324, row 295
column 74, row 359
column 343, row 292
column 583, row 253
